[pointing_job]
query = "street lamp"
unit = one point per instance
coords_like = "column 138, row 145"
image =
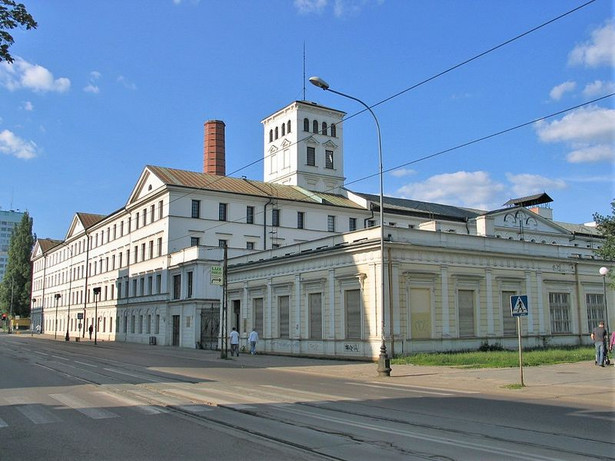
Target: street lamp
column 384, row 364
column 604, row 272
column 96, row 291
column 57, row 296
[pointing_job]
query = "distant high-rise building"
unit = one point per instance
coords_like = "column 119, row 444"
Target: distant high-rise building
column 8, row 222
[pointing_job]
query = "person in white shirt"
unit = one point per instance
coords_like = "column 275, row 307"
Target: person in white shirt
column 234, row 337
column 253, row 338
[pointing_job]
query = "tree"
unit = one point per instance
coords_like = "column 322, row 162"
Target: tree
column 12, row 15
column 606, row 226
column 17, row 282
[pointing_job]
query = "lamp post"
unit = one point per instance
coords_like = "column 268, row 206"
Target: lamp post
column 96, row 295
column 57, row 296
column 384, row 364
column 604, row 272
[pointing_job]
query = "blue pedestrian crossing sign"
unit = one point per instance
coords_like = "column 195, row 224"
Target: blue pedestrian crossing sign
column 519, row 306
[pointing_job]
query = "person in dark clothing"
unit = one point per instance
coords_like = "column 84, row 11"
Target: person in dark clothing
column 91, row 329
column 599, row 336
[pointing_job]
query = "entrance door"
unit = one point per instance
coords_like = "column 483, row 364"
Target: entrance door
column 210, row 328
column 176, row 330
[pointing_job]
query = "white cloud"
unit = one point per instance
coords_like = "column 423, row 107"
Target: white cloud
column 27, row 105
column 22, row 74
column 131, row 86
column 600, row 50
column 401, row 172
column 463, row 188
column 528, row 184
column 92, row 87
column 588, row 124
column 310, row 6
column 558, row 91
column 598, row 88
column 10, row 144
column 592, row 154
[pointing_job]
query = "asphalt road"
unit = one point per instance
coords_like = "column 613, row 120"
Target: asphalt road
column 125, row 401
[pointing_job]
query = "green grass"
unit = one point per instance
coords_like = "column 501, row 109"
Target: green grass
column 499, row 359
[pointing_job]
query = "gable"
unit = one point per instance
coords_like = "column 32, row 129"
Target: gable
column 147, row 184
column 522, row 220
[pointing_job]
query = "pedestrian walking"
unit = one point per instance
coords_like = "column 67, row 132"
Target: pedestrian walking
column 234, row 337
column 253, row 338
column 90, row 330
column 599, row 336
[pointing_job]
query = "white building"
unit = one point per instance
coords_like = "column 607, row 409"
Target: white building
column 304, row 259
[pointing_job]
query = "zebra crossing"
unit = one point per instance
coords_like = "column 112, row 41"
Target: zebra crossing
column 52, row 407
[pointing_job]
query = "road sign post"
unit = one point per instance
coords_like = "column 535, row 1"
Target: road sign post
column 519, row 307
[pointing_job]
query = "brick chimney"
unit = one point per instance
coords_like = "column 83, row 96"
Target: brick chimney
column 214, row 152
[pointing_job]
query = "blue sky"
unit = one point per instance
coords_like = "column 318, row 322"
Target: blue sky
column 103, row 88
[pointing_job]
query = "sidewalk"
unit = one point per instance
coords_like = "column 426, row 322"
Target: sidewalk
column 580, row 383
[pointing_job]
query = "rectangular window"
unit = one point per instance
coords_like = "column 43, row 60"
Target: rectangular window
column 151, row 249
column 160, row 209
column 465, row 300
column 315, row 313
column 160, row 246
column 121, row 228
column 249, row 245
column 144, row 217
column 136, row 250
column 157, row 325
column 134, row 287
column 142, row 286
column 222, row 210
column 300, row 219
column 196, row 208
column 137, row 221
column 250, row 215
column 119, row 290
column 275, row 217
column 120, row 262
column 257, row 305
column 331, row 223
column 559, row 308
column 148, row 325
column 595, row 309
column 352, row 224
column 283, row 316
column 509, row 323
column 222, row 243
column 189, row 287
column 352, row 304
column 329, row 159
column 140, row 324
column 152, row 213
column 177, row 286
column 150, row 285
column 194, row 241
column 143, row 252
column 311, row 156
column 158, row 283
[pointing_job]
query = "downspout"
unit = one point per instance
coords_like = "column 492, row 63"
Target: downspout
column 366, row 220
column 87, row 273
column 391, row 309
column 269, row 202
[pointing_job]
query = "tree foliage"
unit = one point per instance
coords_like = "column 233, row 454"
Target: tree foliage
column 606, row 226
column 16, row 284
column 12, row 15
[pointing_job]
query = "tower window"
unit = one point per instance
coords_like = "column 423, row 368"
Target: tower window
column 324, row 128
column 315, row 126
column 333, row 130
column 276, row 132
column 311, row 156
column 306, row 124
column 270, row 135
column 288, row 126
column 283, row 129
column 329, row 159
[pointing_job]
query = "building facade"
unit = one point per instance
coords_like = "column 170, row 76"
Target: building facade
column 304, row 262
column 9, row 220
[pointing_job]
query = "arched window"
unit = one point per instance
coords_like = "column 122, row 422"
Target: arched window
column 324, row 128
column 306, row 124
column 333, row 130
column 276, row 132
column 283, row 129
column 315, row 126
column 288, row 126
column 270, row 135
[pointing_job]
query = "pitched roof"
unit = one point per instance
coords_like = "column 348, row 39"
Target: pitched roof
column 244, row 186
column 48, row 244
column 423, row 209
column 89, row 219
column 530, row 200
